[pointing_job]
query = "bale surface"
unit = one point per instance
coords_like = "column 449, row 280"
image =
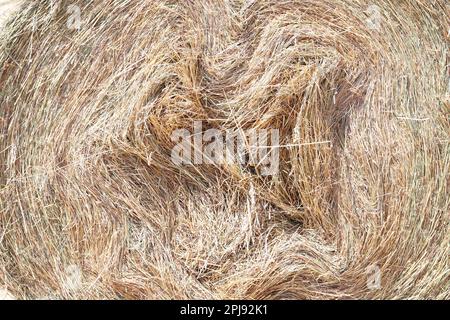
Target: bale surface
column 92, row 206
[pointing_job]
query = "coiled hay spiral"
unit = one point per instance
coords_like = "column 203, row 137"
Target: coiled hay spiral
column 92, row 205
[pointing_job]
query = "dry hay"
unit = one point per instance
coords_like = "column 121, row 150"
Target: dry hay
column 93, row 207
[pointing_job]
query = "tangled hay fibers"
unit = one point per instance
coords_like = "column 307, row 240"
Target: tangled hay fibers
column 92, row 205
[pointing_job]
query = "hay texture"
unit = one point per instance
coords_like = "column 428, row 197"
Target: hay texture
column 93, row 207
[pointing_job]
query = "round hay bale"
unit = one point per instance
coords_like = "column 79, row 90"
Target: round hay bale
column 93, row 206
